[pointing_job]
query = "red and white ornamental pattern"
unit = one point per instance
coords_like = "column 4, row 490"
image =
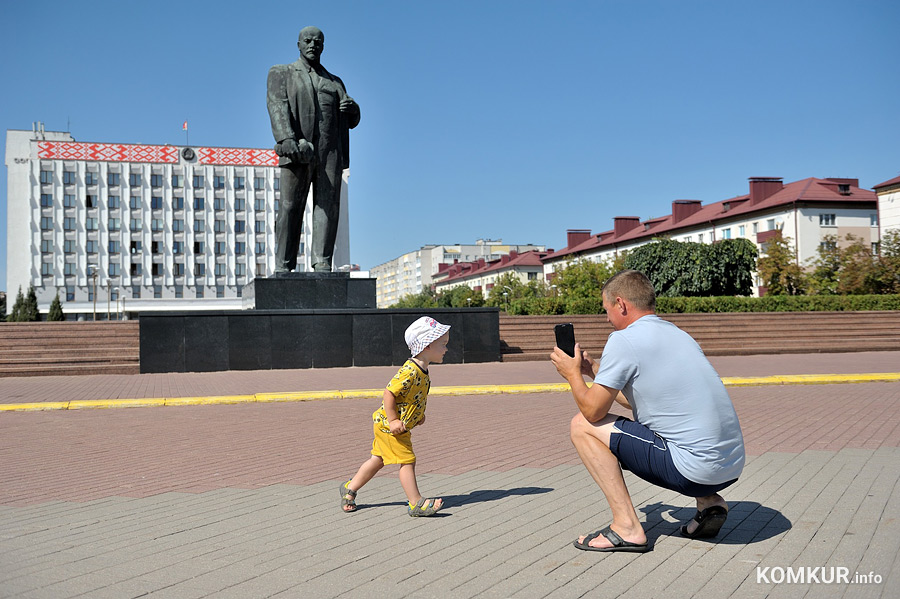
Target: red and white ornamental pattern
column 54, row 150
column 237, row 156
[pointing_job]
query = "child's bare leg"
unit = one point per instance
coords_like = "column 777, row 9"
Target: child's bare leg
column 365, row 473
column 408, row 480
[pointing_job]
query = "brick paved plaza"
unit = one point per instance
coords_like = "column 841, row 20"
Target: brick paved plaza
column 241, row 500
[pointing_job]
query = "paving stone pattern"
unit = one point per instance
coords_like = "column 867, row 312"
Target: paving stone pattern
column 242, row 500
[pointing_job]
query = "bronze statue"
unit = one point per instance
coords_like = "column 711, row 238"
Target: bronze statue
column 311, row 117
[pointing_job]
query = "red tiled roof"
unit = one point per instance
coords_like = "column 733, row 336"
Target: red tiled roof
column 805, row 190
column 465, row 270
column 888, row 183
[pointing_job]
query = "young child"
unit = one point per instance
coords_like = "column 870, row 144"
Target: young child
column 403, row 408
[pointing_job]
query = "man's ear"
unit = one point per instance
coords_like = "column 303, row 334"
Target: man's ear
column 623, row 307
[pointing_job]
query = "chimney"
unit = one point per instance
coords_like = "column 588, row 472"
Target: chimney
column 513, row 254
column 504, row 259
column 681, row 209
column 762, row 188
column 577, row 236
column 624, row 224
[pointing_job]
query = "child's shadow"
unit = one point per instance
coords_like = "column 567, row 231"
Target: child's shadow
column 748, row 522
column 451, row 501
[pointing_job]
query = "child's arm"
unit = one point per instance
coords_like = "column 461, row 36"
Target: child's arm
column 390, row 409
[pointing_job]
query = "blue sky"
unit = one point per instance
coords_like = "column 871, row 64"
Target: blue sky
column 486, row 119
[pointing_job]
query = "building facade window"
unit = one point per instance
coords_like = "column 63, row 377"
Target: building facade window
column 134, row 179
column 198, row 226
column 69, row 270
column 220, row 270
column 198, row 203
column 156, row 224
column 46, row 177
column 726, row 233
column 112, row 202
column 177, row 203
column 198, row 247
column 91, row 246
column 135, row 203
column 240, row 226
column 199, row 270
column 219, row 204
column 219, row 226
column 240, row 269
column 260, row 226
column 46, row 246
column 826, row 220
column 156, row 203
column 135, row 224
column 260, row 247
column 68, row 200
column 178, row 225
column 198, row 181
column 46, row 269
column 90, row 178
column 90, row 201
column 68, row 223
column 239, row 204
column 70, row 293
column 114, row 269
column 218, row 182
column 219, row 248
column 240, row 248
column 178, row 269
column 156, row 180
column 112, row 179
column 136, row 246
column 177, row 181
column 238, row 182
column 46, row 200
column 69, row 178
column 69, row 246
column 178, row 248
column 115, row 246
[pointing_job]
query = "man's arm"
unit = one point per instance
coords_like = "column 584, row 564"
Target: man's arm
column 595, row 401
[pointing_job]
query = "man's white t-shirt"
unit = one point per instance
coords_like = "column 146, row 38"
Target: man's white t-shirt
column 675, row 392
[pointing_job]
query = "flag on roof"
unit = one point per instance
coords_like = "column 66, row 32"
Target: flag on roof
column 184, row 126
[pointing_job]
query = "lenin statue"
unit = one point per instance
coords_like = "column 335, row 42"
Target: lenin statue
column 311, row 116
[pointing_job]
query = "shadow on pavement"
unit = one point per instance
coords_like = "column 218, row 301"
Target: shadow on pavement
column 748, row 522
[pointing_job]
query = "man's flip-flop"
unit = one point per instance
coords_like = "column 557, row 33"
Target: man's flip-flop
column 619, row 544
column 710, row 522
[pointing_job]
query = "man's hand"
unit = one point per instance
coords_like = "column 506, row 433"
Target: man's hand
column 568, row 367
column 589, row 366
column 347, row 104
column 397, row 427
column 422, row 420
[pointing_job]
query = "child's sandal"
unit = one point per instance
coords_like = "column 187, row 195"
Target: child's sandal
column 420, row 511
column 348, row 498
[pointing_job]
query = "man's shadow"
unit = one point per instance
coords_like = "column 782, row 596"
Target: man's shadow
column 748, row 522
column 480, row 496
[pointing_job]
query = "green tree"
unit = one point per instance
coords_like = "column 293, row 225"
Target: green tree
column 823, row 270
column 424, row 299
column 460, row 297
column 56, row 312
column 582, row 279
column 778, row 269
column 686, row 269
column 858, row 273
column 888, row 262
column 3, row 308
column 511, row 285
column 15, row 315
column 30, row 312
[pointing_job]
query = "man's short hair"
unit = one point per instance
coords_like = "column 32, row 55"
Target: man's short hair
column 632, row 285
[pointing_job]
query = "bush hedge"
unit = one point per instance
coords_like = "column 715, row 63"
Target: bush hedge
column 669, row 305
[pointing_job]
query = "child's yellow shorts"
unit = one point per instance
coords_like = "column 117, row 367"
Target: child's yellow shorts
column 393, row 449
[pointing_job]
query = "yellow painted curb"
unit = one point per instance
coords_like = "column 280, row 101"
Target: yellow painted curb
column 796, row 379
column 299, row 396
column 34, row 407
column 83, row 404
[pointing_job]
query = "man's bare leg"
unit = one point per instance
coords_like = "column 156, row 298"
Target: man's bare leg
column 592, row 443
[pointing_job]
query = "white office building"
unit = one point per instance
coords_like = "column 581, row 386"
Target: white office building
column 117, row 228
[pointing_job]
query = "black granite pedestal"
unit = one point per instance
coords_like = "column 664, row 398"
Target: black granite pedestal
column 269, row 339
column 309, row 291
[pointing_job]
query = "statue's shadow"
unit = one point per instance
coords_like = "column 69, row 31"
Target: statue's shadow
column 480, row 496
column 748, row 522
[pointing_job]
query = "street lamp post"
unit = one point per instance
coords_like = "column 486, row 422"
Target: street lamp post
column 93, row 274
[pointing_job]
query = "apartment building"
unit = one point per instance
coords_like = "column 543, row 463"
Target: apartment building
column 806, row 211
column 413, row 272
column 132, row 227
column 888, row 204
column 482, row 275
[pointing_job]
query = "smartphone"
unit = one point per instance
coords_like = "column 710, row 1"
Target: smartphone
column 565, row 337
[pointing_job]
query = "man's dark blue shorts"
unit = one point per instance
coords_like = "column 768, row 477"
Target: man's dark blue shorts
column 647, row 455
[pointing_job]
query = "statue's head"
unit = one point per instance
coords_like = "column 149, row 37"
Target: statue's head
column 311, row 42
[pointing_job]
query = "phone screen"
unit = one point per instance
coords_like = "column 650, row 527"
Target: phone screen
column 565, row 337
